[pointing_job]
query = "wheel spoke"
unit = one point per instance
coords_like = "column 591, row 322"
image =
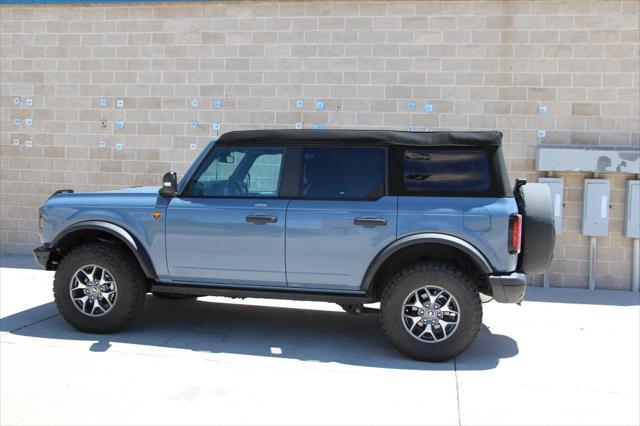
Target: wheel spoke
column 90, row 277
column 83, row 300
column 79, row 284
column 417, row 302
column 415, row 320
column 103, row 277
column 107, row 297
column 443, row 326
column 433, row 299
column 447, row 307
column 96, row 305
column 427, row 329
column 82, row 277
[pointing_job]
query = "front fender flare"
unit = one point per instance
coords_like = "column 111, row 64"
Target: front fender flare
column 117, row 231
column 478, row 258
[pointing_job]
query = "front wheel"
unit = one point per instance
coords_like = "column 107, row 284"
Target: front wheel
column 99, row 288
column 431, row 311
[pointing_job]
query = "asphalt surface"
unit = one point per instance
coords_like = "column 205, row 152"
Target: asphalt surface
column 563, row 357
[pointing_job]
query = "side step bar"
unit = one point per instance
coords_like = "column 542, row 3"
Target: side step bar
column 355, row 297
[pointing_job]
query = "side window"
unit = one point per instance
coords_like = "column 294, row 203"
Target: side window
column 436, row 170
column 335, row 173
column 240, row 172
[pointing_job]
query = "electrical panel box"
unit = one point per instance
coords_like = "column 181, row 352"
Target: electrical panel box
column 632, row 210
column 556, row 187
column 595, row 207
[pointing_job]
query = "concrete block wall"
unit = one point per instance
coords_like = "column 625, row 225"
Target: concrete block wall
column 479, row 64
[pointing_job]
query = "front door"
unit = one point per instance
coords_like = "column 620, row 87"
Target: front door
column 230, row 226
column 342, row 218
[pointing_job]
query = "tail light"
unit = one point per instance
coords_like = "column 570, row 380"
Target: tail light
column 515, row 233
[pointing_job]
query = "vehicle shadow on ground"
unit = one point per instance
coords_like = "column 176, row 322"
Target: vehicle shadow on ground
column 303, row 334
column 582, row 296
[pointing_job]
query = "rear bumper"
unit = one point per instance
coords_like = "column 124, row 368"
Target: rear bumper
column 42, row 255
column 508, row 288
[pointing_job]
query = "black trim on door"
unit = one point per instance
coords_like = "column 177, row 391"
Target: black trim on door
column 289, row 183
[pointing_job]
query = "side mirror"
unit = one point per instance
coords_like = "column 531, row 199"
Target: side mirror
column 169, row 184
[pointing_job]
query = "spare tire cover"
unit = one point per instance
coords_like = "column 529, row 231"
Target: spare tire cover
column 538, row 232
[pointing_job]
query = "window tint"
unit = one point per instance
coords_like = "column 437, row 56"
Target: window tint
column 240, row 172
column 356, row 173
column 433, row 170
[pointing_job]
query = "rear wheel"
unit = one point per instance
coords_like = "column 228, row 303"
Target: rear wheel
column 431, row 311
column 99, row 288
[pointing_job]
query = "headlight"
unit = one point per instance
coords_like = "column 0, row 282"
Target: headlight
column 41, row 221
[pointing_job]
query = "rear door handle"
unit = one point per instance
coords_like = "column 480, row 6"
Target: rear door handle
column 261, row 218
column 369, row 221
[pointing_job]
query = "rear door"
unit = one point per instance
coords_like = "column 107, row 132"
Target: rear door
column 341, row 219
column 229, row 227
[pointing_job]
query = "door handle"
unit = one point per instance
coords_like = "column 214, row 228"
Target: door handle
column 369, row 221
column 261, row 218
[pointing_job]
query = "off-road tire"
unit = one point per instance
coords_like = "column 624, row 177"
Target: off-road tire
column 413, row 277
column 174, row 296
column 130, row 281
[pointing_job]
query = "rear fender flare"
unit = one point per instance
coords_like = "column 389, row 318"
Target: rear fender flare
column 476, row 256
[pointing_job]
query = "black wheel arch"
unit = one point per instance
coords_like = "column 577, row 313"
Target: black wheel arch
column 431, row 246
column 97, row 230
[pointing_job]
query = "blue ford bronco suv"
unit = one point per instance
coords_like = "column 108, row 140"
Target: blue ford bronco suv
column 424, row 223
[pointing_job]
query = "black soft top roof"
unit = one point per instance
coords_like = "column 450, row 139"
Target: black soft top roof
column 367, row 137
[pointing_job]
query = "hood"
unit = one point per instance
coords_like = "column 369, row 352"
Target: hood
column 126, row 197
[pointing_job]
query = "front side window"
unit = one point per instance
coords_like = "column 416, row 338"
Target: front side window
column 439, row 170
column 350, row 173
column 240, row 172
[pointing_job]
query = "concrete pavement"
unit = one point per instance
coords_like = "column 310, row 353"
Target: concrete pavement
column 563, row 357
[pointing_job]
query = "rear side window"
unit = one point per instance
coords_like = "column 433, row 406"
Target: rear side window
column 350, row 173
column 439, row 170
